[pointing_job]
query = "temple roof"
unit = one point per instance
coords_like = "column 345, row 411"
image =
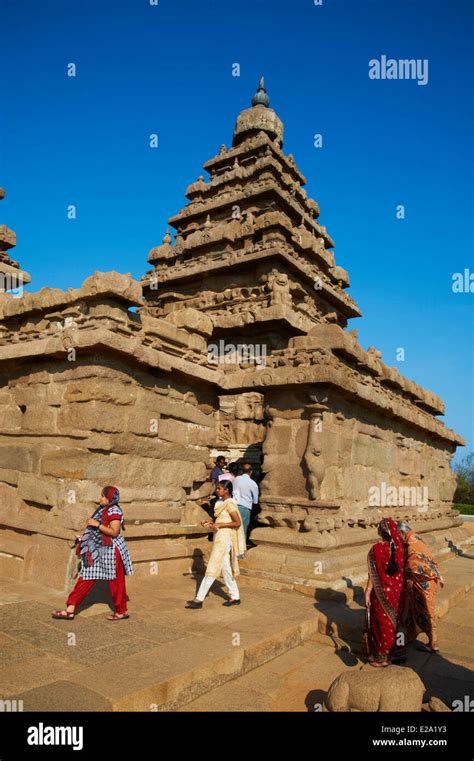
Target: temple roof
column 258, row 118
column 11, row 276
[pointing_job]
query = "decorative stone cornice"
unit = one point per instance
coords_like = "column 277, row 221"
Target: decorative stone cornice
column 248, row 148
column 100, row 284
column 200, row 268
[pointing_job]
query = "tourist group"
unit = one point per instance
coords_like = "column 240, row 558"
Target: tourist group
column 403, row 577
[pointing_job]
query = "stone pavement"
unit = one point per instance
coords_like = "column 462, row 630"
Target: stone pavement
column 299, row 679
column 277, row 651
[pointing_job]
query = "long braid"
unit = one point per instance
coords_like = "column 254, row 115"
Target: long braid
column 392, row 565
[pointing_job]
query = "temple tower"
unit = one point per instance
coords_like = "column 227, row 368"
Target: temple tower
column 249, row 251
column 12, row 278
column 251, row 264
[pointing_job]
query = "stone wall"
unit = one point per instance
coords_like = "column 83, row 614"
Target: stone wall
column 339, row 452
column 79, row 410
column 78, row 428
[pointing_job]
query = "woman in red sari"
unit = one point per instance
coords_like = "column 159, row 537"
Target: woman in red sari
column 382, row 594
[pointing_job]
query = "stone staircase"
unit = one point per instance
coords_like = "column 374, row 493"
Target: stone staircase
column 171, row 658
column 298, row 679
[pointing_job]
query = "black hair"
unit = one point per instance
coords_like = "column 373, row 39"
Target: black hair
column 227, row 485
column 233, row 468
column 392, row 565
column 220, row 457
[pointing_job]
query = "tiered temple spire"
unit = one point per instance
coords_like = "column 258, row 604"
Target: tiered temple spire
column 251, row 232
column 11, row 276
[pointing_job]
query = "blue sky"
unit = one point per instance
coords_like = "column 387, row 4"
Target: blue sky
column 167, row 69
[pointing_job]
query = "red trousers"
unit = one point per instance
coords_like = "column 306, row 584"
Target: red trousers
column 117, row 588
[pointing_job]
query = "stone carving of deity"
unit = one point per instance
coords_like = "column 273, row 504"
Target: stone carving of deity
column 279, row 287
column 248, row 225
column 313, row 456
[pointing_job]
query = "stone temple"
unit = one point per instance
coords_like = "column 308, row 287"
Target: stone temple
column 119, row 382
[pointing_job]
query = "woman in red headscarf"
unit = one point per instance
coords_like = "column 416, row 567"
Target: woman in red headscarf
column 104, row 555
column 382, row 594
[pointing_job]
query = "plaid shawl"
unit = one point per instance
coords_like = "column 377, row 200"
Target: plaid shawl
column 92, row 539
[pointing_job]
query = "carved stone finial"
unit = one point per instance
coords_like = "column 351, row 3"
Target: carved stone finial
column 261, row 98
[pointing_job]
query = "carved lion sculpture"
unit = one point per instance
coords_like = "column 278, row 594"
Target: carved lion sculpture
column 385, row 689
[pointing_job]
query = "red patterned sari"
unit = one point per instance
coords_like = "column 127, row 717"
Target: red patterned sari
column 382, row 615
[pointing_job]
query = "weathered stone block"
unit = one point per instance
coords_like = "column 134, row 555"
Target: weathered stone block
column 47, row 393
column 74, row 517
column 153, row 512
column 39, row 418
column 143, row 471
column 9, row 476
column 200, row 435
column 173, row 408
column 42, row 570
column 93, row 416
column 277, row 439
column 174, row 431
column 145, row 446
column 159, row 493
column 92, row 389
column 18, row 457
column 80, row 464
column 145, row 422
column 10, row 417
column 39, row 489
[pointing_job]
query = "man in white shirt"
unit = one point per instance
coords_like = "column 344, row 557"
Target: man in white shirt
column 245, row 494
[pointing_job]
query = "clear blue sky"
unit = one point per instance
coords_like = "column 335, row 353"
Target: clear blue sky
column 167, row 69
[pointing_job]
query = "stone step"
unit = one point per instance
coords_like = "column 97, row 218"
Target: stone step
column 299, row 679
column 170, row 656
column 294, row 565
column 342, row 589
column 282, row 684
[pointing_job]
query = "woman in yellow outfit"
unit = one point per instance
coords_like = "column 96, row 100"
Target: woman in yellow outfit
column 229, row 544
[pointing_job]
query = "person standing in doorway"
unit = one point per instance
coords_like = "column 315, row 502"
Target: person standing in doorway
column 218, row 470
column 245, row 494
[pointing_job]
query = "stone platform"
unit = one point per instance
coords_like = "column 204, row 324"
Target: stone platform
column 299, row 679
column 168, row 658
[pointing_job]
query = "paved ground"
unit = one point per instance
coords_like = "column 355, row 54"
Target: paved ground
column 271, row 653
column 299, row 679
column 162, row 656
